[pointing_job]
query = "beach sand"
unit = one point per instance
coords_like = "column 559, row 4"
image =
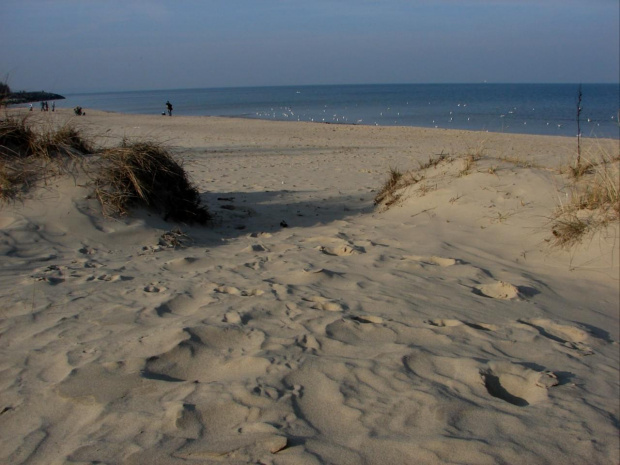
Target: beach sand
column 307, row 326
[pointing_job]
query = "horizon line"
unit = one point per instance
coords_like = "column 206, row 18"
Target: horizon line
column 330, row 85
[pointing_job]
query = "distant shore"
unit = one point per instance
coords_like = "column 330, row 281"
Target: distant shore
column 18, row 98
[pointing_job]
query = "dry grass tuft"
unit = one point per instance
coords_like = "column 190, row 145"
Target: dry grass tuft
column 468, row 163
column 15, row 177
column 593, row 200
column 145, row 174
column 27, row 156
column 397, row 181
column 135, row 174
column 386, row 193
column 65, row 141
column 16, row 137
column 434, row 162
column 569, row 230
column 18, row 170
column 471, row 158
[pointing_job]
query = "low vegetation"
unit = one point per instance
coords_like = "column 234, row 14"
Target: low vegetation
column 144, row 173
column 386, row 194
column 591, row 200
column 17, row 140
column 397, row 181
column 588, row 203
column 136, row 174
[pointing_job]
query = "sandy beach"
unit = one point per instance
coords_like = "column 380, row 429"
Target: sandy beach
column 308, row 325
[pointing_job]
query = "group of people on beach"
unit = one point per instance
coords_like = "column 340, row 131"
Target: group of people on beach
column 45, row 106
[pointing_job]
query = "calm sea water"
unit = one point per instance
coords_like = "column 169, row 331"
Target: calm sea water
column 549, row 109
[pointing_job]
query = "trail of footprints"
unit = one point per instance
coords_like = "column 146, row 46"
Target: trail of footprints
column 226, row 350
column 509, row 382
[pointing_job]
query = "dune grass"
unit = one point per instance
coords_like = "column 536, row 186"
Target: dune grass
column 591, row 201
column 29, row 154
column 135, row 174
column 588, row 202
column 19, row 167
column 145, row 174
column 386, row 194
column 17, row 139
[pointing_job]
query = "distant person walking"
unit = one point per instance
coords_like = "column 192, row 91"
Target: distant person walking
column 169, row 107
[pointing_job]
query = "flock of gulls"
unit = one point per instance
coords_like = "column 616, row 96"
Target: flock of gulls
column 501, row 120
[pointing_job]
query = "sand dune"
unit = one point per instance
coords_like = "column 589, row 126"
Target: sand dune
column 308, row 326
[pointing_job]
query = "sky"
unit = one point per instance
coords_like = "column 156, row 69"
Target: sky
column 96, row 45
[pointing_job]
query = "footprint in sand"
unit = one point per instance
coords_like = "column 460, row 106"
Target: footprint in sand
column 311, row 275
column 211, row 353
column 440, row 323
column 260, row 234
column 100, row 383
column 256, row 248
column 218, row 429
column 308, row 342
column 517, row 384
column 321, row 303
column 444, row 323
column 185, row 304
column 239, row 446
column 433, row 260
column 507, row 381
column 52, row 274
column 362, row 328
column 569, row 336
column 154, row 288
column 235, row 291
column 342, row 250
column 459, row 373
column 368, row 319
column 185, row 421
column 87, row 251
column 498, row 290
column 92, row 264
column 188, row 264
column 109, row 278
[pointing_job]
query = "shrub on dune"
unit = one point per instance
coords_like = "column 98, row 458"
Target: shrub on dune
column 17, row 168
column 28, row 155
column 16, row 138
column 593, row 200
column 387, row 192
column 132, row 175
column 145, row 174
column 66, row 140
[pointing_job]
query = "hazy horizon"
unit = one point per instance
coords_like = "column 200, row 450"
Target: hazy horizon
column 73, row 46
column 105, row 91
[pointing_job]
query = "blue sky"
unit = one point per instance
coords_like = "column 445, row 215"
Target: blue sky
column 89, row 45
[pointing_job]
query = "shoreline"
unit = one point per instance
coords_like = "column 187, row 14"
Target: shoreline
column 495, row 114
column 372, row 125
column 19, row 109
column 68, row 115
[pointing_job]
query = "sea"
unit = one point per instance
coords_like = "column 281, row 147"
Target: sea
column 547, row 109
